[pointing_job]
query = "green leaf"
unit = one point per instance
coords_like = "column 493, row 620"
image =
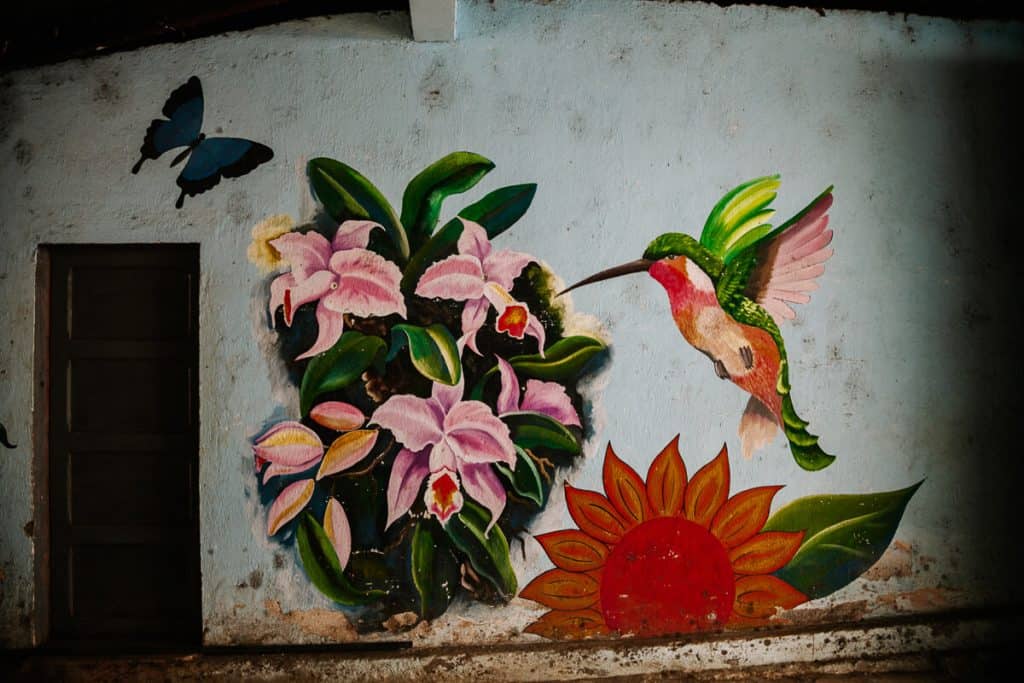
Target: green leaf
column 450, row 175
column 435, row 570
column 562, row 361
column 488, row 554
column 525, row 479
column 338, row 366
column 496, row 212
column 432, row 350
column 346, row 194
column 844, row 536
column 322, row 567
column 533, row 430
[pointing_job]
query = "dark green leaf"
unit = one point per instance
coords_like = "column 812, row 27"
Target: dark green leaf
column 435, row 571
column 346, row 194
column 525, row 478
column 338, row 366
column 432, row 350
column 322, row 567
column 450, row 175
column 496, row 212
column 845, row 535
column 533, row 430
column 488, row 554
column 562, row 361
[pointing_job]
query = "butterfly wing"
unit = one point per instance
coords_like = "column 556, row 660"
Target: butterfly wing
column 216, row 158
column 184, row 112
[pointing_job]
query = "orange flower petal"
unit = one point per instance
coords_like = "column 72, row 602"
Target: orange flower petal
column 562, row 590
column 743, row 515
column 561, row 624
column 766, row 552
column 708, row 489
column 594, row 515
column 738, row 621
column 666, row 481
column 625, row 489
column 758, row 597
column 347, row 450
column 574, row 550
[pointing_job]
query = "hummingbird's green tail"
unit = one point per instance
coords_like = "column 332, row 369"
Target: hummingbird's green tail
column 802, row 444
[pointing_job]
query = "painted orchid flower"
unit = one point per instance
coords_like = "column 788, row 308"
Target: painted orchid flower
column 342, row 276
column 291, row 447
column 451, row 441
column 547, row 398
column 482, row 278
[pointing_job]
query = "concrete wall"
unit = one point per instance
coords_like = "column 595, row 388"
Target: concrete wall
column 633, row 118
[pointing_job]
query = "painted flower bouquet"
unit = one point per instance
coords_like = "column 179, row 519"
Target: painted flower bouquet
column 437, row 389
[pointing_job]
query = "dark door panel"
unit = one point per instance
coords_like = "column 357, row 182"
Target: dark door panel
column 124, row 444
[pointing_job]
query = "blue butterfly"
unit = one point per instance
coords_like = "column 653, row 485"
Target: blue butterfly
column 212, row 158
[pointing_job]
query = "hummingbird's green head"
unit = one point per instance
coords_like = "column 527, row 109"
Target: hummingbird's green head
column 672, row 244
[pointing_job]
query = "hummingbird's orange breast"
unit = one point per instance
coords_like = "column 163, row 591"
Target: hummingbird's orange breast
column 744, row 354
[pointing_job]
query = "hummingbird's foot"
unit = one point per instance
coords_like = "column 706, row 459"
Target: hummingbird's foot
column 720, row 370
column 748, row 356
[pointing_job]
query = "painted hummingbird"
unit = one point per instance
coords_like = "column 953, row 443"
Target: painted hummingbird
column 730, row 291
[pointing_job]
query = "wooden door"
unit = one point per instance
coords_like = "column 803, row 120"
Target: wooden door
column 124, row 445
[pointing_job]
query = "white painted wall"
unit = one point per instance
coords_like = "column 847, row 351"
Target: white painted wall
column 633, row 117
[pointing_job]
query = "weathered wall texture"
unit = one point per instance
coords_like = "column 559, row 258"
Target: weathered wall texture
column 633, row 118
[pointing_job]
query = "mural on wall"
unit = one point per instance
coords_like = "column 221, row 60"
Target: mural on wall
column 438, row 404
column 668, row 555
column 730, row 291
column 3, row 438
column 437, row 390
column 209, row 159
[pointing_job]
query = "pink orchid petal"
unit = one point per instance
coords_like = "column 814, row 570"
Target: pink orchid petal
column 347, row 450
column 443, row 498
column 504, row 266
column 289, row 443
column 499, row 297
column 276, row 469
column 354, row 235
column 306, row 253
column 483, row 486
column 330, row 325
column 473, row 240
column 536, row 330
column 312, row 288
column 338, row 531
column 549, row 398
column 289, row 503
column 508, row 397
column 278, row 287
column 474, row 315
column 407, row 475
column 458, row 277
column 368, row 284
column 415, row 422
column 447, row 395
column 337, row 415
column 443, row 457
column 476, row 435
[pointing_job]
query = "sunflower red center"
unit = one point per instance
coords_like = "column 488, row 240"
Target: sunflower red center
column 667, row 575
column 513, row 321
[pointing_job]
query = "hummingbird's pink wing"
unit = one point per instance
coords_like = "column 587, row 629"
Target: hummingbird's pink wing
column 789, row 264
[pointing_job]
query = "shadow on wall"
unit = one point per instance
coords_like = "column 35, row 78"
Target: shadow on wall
column 981, row 229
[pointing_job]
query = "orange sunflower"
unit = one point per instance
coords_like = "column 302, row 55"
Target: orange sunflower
column 663, row 556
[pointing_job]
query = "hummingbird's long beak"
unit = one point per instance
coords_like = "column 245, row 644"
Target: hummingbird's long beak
column 638, row 266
